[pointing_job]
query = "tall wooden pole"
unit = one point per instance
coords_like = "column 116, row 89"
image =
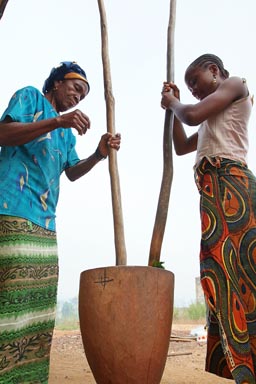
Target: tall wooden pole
column 164, row 196
column 121, row 258
column 3, row 4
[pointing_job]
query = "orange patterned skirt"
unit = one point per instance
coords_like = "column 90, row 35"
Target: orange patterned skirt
column 228, row 266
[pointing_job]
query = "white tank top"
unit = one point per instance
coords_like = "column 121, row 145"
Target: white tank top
column 225, row 135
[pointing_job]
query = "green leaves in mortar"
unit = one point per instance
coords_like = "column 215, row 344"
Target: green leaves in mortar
column 158, row 264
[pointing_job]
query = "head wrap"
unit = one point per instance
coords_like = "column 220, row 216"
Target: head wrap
column 66, row 70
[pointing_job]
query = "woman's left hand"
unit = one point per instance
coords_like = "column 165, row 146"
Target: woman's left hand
column 108, row 141
column 170, row 91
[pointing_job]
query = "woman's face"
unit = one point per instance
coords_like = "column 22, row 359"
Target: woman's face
column 200, row 82
column 69, row 93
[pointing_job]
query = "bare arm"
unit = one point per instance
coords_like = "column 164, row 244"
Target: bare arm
column 182, row 143
column 16, row 133
column 193, row 114
column 107, row 142
column 83, row 167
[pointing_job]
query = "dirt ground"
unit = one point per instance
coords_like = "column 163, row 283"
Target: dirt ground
column 184, row 365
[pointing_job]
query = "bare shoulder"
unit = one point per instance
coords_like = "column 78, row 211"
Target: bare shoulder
column 234, row 81
column 237, row 85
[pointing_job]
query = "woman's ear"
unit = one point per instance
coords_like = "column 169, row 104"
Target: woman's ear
column 214, row 69
column 56, row 84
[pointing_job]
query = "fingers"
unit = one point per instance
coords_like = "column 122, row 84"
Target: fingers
column 166, row 87
column 114, row 141
column 76, row 119
column 84, row 123
column 169, row 92
column 109, row 136
column 114, row 145
column 109, row 141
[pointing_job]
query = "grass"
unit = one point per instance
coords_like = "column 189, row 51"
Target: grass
column 196, row 311
column 67, row 325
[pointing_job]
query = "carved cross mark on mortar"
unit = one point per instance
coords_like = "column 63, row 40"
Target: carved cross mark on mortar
column 104, row 280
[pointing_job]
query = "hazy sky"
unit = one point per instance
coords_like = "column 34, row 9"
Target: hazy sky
column 37, row 35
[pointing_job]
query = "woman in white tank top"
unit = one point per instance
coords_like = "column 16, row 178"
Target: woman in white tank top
column 227, row 208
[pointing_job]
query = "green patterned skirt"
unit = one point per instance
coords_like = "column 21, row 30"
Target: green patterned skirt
column 28, row 293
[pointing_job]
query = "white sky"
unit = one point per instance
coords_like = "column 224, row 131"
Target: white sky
column 37, row 35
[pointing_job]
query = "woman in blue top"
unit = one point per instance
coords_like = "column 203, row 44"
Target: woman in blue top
column 37, row 145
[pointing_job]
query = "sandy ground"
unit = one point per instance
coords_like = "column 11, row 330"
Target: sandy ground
column 185, row 362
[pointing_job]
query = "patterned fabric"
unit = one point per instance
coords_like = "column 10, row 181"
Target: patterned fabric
column 30, row 173
column 28, row 291
column 227, row 266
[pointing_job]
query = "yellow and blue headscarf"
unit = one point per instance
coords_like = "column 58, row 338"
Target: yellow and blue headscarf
column 66, row 70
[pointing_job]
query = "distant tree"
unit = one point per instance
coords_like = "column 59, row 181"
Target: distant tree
column 68, row 310
column 74, row 301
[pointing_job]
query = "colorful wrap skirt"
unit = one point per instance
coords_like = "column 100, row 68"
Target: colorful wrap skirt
column 228, row 266
column 28, row 292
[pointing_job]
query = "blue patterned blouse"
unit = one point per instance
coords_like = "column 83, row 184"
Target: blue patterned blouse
column 30, row 173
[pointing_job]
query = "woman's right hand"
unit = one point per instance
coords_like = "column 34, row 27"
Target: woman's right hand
column 75, row 119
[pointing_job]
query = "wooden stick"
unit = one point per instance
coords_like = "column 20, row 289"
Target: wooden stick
column 121, row 258
column 3, row 4
column 179, row 354
column 182, row 339
column 164, row 196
